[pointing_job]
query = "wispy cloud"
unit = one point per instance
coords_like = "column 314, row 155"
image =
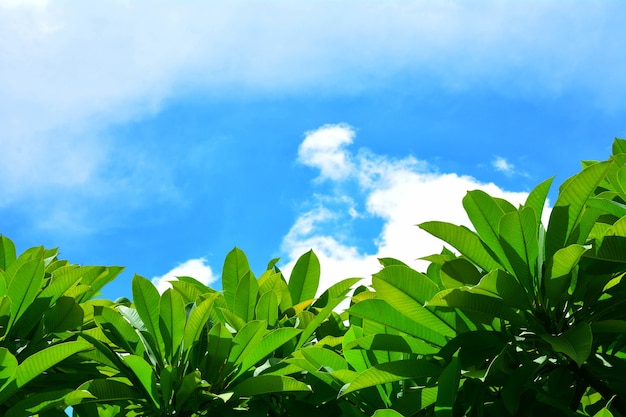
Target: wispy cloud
column 195, row 268
column 400, row 192
column 507, row 168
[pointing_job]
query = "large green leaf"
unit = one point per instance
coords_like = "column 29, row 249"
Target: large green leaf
column 537, row 197
column 7, row 252
column 576, row 342
column 8, row 367
column 66, row 314
column 478, row 303
column 218, row 350
column 518, row 234
column 392, row 343
column 501, row 284
column 197, row 319
column 267, row 308
column 485, row 213
column 392, row 372
column 559, row 271
column 147, row 299
column 269, row 344
column 106, row 390
column 143, row 372
column 245, row 299
column 407, row 290
column 448, row 386
column 304, row 278
column 379, row 311
column 23, row 287
column 235, row 268
column 465, row 241
column 172, row 322
column 40, row 402
column 265, row 384
column 117, row 329
column 44, row 359
column 570, row 206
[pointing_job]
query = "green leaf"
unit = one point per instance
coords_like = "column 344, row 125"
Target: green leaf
column 379, row 311
column 575, row 342
column 219, row 347
column 44, row 359
column 619, row 146
column 559, row 271
column 245, row 299
column 304, row 278
column 265, row 384
column 8, row 367
column 172, row 322
column 22, row 289
column 485, row 213
column 235, row 268
column 267, row 308
column 518, row 234
column 270, row 343
column 324, row 358
column 38, row 403
column 146, row 299
column 386, row 412
column 469, row 302
column 392, row 343
column 144, row 374
column 392, row 372
column 465, row 241
column 107, row 390
column 570, row 206
column 407, row 290
column 501, row 284
column 245, row 341
column 7, row 252
column 448, row 386
column 66, row 314
column 117, row 329
column 537, row 197
column 197, row 319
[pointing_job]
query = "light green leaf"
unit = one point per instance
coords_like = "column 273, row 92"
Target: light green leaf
column 386, row 412
column 478, row 303
column 270, row 343
column 465, row 241
column 235, row 268
column 144, row 374
column 570, row 206
column 106, row 390
column 537, row 197
column 304, row 278
column 23, row 287
column 8, row 367
column 7, row 252
column 518, row 234
column 245, row 299
column 559, row 271
column 39, row 362
column 267, row 308
column 146, row 299
column 407, row 290
column 392, row 343
column 379, row 311
column 197, row 319
column 219, row 347
column 501, row 284
column 172, row 322
column 485, row 214
column 66, row 314
column 392, row 372
column 265, row 384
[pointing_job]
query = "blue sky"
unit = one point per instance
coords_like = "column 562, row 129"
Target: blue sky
column 159, row 135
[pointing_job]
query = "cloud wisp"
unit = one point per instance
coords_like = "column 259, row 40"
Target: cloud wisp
column 400, row 193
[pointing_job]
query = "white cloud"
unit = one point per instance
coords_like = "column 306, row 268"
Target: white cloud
column 324, row 149
column 401, row 193
column 195, row 268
